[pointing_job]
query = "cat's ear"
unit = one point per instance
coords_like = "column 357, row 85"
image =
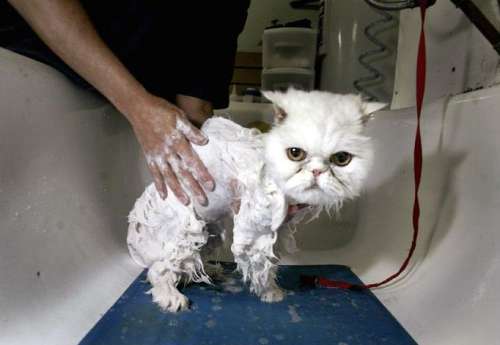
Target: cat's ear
column 279, row 114
column 368, row 108
column 275, row 97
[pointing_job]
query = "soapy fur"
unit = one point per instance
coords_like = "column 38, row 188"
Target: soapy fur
column 255, row 185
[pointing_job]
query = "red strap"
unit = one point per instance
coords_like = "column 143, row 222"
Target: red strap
column 417, row 168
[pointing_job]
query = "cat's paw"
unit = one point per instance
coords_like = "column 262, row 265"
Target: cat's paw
column 170, row 301
column 273, row 295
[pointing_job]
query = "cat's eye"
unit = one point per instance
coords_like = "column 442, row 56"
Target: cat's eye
column 341, row 158
column 295, row 154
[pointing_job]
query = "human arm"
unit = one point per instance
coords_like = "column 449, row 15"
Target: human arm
column 162, row 129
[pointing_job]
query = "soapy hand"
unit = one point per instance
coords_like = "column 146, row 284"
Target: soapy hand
column 166, row 135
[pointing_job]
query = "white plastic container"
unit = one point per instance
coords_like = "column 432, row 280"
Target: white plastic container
column 283, row 78
column 289, row 47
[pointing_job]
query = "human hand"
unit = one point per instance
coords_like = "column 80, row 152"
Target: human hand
column 166, row 135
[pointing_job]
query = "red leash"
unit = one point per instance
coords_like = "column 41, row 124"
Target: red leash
column 417, row 168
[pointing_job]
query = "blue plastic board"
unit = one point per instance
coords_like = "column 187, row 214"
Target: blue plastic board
column 227, row 314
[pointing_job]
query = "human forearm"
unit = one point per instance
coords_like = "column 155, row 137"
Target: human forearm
column 65, row 27
column 161, row 128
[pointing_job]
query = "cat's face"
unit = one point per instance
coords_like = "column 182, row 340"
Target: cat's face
column 316, row 150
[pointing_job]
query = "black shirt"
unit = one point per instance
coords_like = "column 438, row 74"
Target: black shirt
column 171, row 47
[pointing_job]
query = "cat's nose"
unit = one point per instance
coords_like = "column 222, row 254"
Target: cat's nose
column 317, row 172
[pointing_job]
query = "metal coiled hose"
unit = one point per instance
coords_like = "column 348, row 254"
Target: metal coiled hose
column 393, row 5
column 366, row 59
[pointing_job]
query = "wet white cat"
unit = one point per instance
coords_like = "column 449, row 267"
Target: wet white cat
column 316, row 156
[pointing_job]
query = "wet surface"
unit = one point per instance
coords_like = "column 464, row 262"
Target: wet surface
column 226, row 313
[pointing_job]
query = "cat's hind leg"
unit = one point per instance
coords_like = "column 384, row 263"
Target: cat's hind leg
column 184, row 265
column 167, row 237
column 181, row 263
column 164, row 290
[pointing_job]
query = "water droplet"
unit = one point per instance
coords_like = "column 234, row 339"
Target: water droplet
column 210, row 323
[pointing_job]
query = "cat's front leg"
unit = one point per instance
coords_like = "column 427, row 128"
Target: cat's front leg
column 262, row 210
column 273, row 293
column 253, row 252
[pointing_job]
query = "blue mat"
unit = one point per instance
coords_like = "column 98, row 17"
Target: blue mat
column 227, row 314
